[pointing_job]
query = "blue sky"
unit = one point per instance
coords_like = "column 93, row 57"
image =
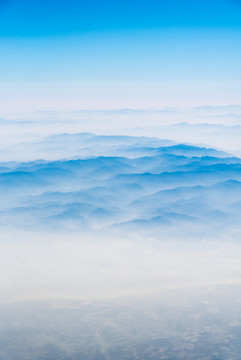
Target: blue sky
column 49, row 18
column 59, row 55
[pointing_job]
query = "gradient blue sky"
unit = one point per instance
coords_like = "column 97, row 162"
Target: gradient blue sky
column 69, row 55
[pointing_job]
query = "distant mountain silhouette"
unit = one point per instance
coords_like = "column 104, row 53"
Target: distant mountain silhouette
column 161, row 186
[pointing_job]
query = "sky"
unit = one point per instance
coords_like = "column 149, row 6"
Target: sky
column 67, row 56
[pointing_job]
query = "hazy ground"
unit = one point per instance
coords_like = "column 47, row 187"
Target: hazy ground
column 196, row 323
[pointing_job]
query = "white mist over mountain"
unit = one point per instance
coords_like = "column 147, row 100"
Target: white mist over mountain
column 110, row 237
column 24, row 136
column 123, row 215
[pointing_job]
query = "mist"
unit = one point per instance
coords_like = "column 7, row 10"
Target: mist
column 119, row 240
column 130, row 216
column 31, row 136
